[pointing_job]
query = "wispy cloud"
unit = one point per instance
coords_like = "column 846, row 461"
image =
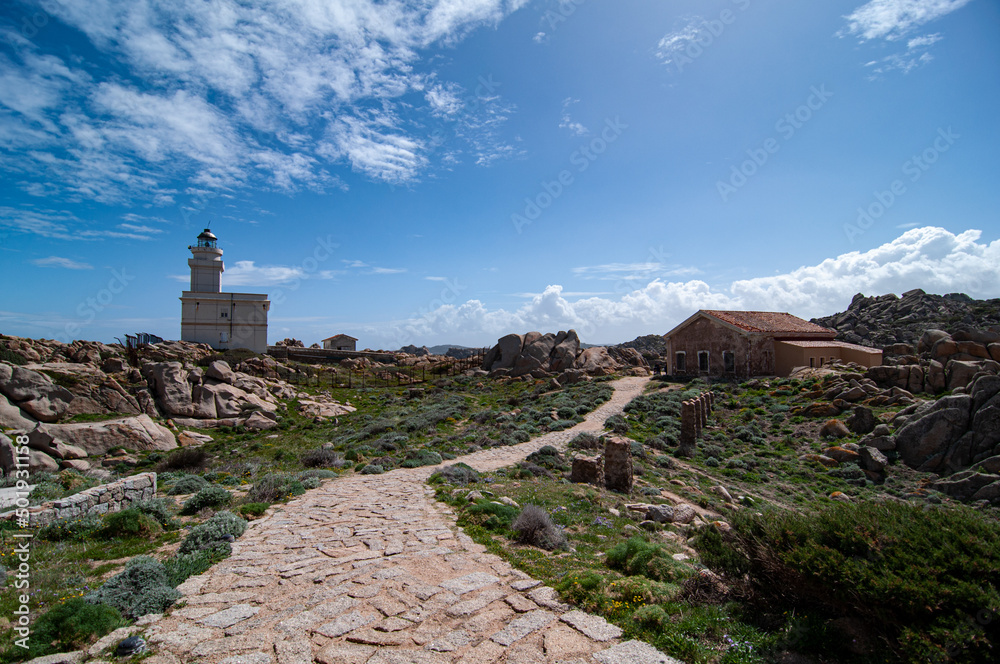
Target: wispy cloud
column 630, row 271
column 63, row 225
column 365, row 268
column 673, row 45
column 59, row 261
column 230, row 93
column 895, row 20
column 248, row 273
column 566, row 122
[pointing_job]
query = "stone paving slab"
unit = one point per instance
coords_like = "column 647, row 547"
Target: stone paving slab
column 372, row 570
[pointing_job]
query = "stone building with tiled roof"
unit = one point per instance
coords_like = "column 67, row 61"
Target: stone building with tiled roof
column 742, row 344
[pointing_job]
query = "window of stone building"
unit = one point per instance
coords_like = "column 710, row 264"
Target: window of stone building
column 681, row 362
column 812, row 362
column 224, row 314
column 822, row 361
column 728, row 361
column 702, row 360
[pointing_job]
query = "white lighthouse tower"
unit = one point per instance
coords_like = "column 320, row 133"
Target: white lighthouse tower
column 221, row 320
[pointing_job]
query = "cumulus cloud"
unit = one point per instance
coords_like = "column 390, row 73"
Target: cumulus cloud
column 231, row 93
column 930, row 258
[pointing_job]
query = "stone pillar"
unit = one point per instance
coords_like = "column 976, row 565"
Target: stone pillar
column 618, row 464
column 703, row 400
column 587, row 470
column 689, row 429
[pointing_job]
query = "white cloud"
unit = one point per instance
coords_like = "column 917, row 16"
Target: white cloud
column 63, row 225
column 566, row 122
column 894, row 19
column 248, row 273
column 674, row 45
column 59, row 261
column 930, row 258
column 539, row 38
column 233, row 92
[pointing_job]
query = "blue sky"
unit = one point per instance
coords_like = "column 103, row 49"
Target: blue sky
column 448, row 171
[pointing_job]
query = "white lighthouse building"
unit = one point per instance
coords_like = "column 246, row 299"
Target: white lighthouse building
column 221, row 320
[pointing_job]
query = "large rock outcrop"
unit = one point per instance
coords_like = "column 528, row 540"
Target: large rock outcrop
column 956, row 436
column 939, row 361
column 884, row 320
column 542, row 355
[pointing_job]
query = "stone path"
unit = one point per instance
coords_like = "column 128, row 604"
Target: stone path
column 372, row 570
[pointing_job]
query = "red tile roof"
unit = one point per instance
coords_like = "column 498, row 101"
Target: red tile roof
column 770, row 322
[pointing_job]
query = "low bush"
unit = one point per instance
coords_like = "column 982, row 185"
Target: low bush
column 212, row 531
column 128, row 523
column 491, row 515
column 548, row 457
column 211, row 496
column 458, row 473
column 322, row 458
column 75, row 529
column 617, row 423
column 185, row 565
column 252, row 509
column 184, row 459
column 654, row 561
column 187, row 484
column 534, row 526
column 422, row 457
column 140, row 589
column 586, row 441
column 911, row 576
column 70, row 626
column 311, row 483
column 274, row 487
column 160, row 509
column 372, row 469
column 319, row 472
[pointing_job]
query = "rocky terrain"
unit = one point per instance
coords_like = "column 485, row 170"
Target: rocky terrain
column 558, row 355
column 81, row 401
column 884, row 320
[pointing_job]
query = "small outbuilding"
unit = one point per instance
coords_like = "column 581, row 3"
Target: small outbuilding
column 742, row 344
column 340, row 342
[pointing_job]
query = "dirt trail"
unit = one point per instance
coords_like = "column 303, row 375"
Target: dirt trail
column 371, row 569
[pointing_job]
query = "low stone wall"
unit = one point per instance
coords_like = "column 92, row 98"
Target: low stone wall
column 103, row 499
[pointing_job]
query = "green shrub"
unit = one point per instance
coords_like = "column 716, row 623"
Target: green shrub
column 75, row 529
column 72, row 625
column 548, row 457
column 458, row 473
column 128, row 523
column 422, row 457
column 534, row 526
column 211, row 496
column 213, row 531
column 372, row 469
column 311, row 483
column 7, row 355
column 654, row 561
column 320, row 473
column 160, row 509
column 185, row 458
column 586, row 441
column 617, row 423
column 140, row 589
column 185, row 565
column 274, row 487
column 490, row 515
column 188, row 484
column 913, row 575
column 252, row 509
column 322, row 458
